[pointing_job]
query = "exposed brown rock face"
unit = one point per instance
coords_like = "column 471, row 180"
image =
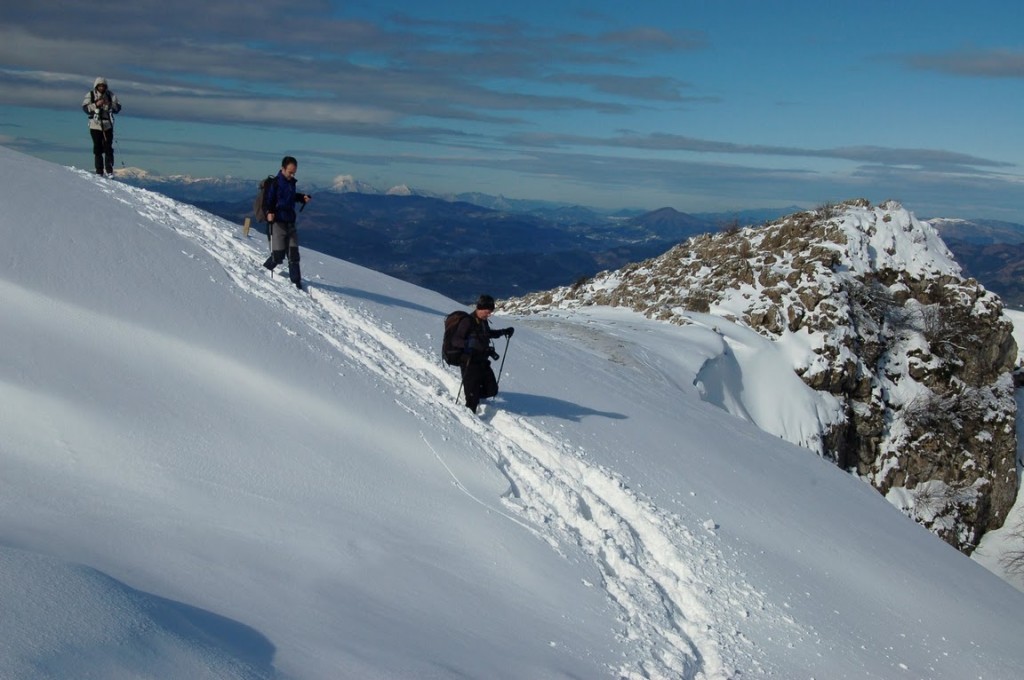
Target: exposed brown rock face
column 920, row 357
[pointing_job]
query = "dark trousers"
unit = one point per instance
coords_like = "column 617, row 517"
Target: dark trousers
column 478, row 381
column 284, row 236
column 103, row 145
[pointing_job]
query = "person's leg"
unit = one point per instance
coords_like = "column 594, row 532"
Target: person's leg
column 488, row 383
column 278, row 243
column 108, row 149
column 294, row 273
column 97, row 149
column 471, row 384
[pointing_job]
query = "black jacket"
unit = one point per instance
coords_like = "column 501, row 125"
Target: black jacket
column 473, row 336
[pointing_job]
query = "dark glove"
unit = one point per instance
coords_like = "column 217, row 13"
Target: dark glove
column 509, row 331
column 494, row 355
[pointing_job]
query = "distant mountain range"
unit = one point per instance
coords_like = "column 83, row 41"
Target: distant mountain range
column 462, row 249
column 991, row 252
column 979, row 232
column 187, row 188
column 461, row 244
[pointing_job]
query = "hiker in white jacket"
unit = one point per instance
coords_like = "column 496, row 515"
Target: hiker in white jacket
column 100, row 104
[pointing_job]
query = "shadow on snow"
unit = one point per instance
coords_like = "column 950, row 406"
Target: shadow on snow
column 538, row 405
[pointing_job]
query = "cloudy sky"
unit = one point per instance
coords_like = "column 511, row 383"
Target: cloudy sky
column 695, row 105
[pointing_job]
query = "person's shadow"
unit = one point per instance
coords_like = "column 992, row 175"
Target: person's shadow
column 376, row 297
column 538, row 405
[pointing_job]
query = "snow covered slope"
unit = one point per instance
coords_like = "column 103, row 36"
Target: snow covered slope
column 206, row 473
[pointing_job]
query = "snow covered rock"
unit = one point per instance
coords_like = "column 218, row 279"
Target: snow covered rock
column 870, row 306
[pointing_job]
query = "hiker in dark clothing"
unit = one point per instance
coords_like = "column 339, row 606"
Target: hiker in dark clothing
column 473, row 336
column 279, row 203
column 100, row 104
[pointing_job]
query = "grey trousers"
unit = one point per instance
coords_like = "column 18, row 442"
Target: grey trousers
column 284, row 236
column 284, row 239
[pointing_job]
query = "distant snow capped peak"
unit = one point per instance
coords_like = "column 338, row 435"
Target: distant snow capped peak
column 133, row 172
column 347, row 184
column 943, row 221
column 406, row 190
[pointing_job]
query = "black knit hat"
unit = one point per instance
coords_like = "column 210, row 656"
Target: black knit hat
column 485, row 302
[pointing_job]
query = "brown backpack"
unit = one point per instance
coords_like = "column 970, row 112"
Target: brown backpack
column 452, row 355
column 259, row 209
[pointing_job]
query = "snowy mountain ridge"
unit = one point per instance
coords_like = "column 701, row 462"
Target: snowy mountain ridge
column 866, row 304
column 889, row 237
column 208, row 474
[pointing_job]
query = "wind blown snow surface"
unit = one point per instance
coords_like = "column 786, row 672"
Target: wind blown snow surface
column 205, row 473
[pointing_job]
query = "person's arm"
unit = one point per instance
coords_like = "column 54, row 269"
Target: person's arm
column 270, row 201
column 115, row 105
column 88, row 105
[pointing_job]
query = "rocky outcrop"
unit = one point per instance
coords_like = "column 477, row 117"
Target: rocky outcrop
column 919, row 356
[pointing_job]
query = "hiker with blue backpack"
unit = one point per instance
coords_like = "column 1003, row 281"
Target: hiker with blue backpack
column 279, row 200
column 470, row 346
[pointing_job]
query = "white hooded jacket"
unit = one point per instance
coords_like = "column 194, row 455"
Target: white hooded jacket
column 100, row 106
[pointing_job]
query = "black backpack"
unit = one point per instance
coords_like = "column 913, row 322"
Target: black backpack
column 258, row 203
column 452, row 355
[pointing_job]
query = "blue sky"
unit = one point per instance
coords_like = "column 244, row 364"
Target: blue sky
column 696, row 105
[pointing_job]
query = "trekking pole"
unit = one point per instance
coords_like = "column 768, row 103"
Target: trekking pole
column 270, row 242
column 103, row 130
column 503, row 355
column 117, row 143
column 461, row 382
